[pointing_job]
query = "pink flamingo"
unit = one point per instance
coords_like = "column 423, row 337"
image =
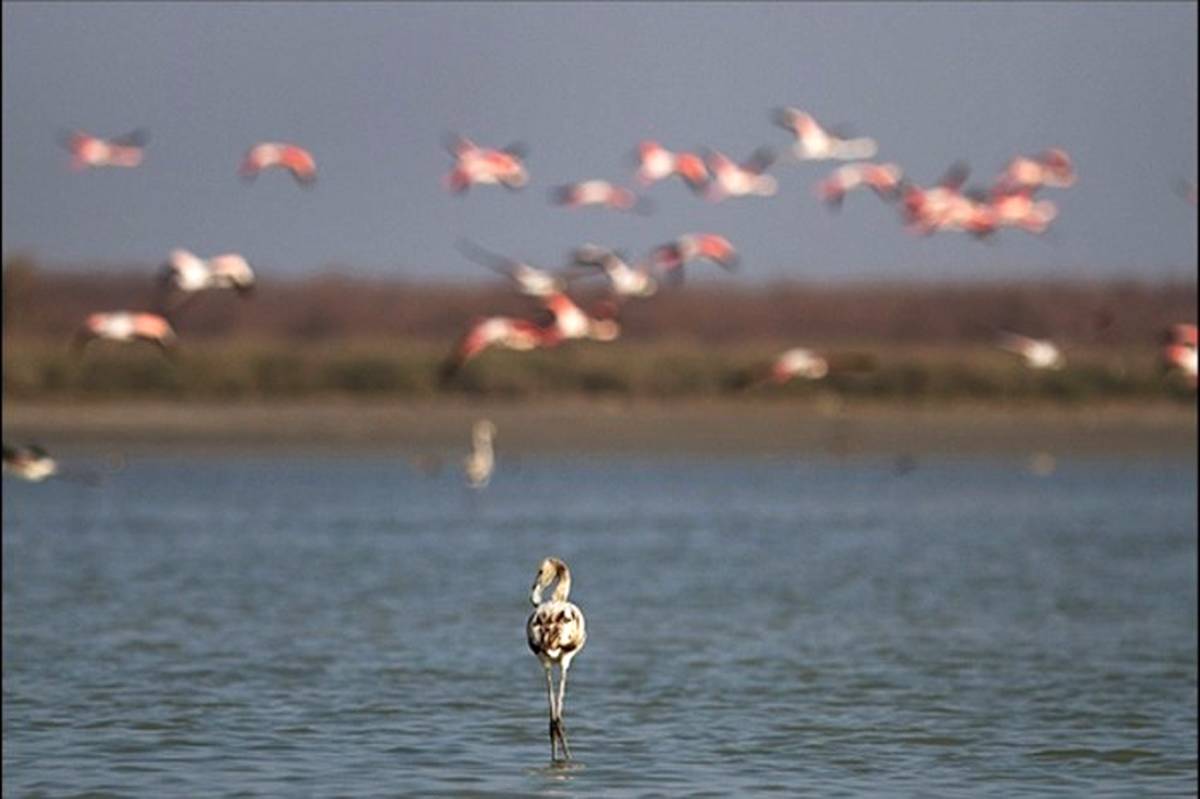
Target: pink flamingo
column 475, row 165
column 814, row 143
column 265, row 155
column 600, row 193
column 88, row 151
column 730, row 179
column 126, row 327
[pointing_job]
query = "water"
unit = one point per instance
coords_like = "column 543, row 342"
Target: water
column 344, row 626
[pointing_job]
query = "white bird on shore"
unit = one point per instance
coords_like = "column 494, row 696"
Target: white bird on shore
column 556, row 632
column 479, row 465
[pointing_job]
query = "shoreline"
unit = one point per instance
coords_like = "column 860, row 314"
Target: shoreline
column 822, row 425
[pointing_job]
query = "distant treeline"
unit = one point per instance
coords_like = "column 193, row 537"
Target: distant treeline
column 342, row 335
column 40, row 303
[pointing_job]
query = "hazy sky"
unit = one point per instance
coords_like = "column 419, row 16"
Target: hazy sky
column 370, row 88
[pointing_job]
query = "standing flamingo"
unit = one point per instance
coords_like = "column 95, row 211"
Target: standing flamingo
column 556, row 632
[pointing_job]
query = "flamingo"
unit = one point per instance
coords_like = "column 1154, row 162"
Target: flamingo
column 294, row 159
column 556, row 632
column 942, row 207
column 572, row 322
column 1019, row 209
column 1051, row 167
column 125, row 327
column 671, row 257
column 188, row 275
column 1037, row 353
column 731, row 179
column 30, row 463
column 528, row 280
column 797, row 362
column 814, row 143
column 478, row 465
column 88, row 151
column 1179, row 352
column 601, row 193
column 507, row 332
column 884, row 179
column 477, row 165
column 656, row 163
column 626, row 281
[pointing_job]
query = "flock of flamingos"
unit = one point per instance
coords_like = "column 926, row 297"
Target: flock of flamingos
column 556, row 630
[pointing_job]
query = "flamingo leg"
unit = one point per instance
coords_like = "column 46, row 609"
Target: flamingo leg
column 553, row 714
column 562, row 730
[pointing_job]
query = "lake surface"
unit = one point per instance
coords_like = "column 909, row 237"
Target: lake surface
column 348, row 626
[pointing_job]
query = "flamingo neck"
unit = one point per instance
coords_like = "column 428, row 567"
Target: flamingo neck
column 562, row 586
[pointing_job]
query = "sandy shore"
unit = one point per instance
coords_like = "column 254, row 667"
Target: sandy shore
column 616, row 426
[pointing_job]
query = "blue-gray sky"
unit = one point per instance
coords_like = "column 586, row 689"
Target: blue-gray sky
column 370, row 88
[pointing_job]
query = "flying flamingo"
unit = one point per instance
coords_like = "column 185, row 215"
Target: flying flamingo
column 125, row 327
column 883, row 179
column 600, row 193
column 814, row 143
column 294, row 159
column 475, row 165
column 731, row 179
column 1036, row 353
column 1179, row 352
column 797, row 363
column 478, row 465
column 626, row 281
column 88, row 151
column 506, row 332
column 572, row 322
column 186, row 275
column 528, row 280
column 656, row 163
column 942, row 207
column 1052, row 167
column 670, row 258
column 556, row 632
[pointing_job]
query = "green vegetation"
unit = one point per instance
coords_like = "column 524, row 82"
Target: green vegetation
column 226, row 369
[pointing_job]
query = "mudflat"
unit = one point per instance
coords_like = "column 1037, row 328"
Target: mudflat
column 826, row 425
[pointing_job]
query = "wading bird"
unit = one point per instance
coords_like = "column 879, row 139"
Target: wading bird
column 126, row 327
column 88, row 151
column 30, row 463
column 480, row 463
column 474, row 165
column 556, row 632
column 294, row 159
